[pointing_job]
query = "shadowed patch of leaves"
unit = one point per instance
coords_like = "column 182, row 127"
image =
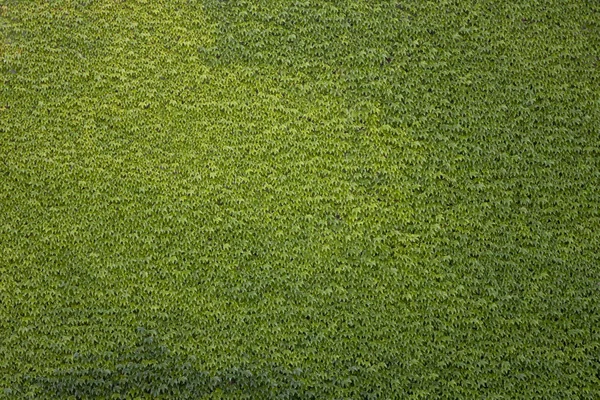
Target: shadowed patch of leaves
column 151, row 369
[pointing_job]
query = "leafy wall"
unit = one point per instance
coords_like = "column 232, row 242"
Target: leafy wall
column 337, row 199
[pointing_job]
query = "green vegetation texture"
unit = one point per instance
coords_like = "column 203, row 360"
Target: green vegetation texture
column 300, row 199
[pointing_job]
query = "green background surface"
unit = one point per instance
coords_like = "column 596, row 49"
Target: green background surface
column 300, row 199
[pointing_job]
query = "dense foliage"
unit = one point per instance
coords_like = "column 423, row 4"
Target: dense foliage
column 300, row 199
